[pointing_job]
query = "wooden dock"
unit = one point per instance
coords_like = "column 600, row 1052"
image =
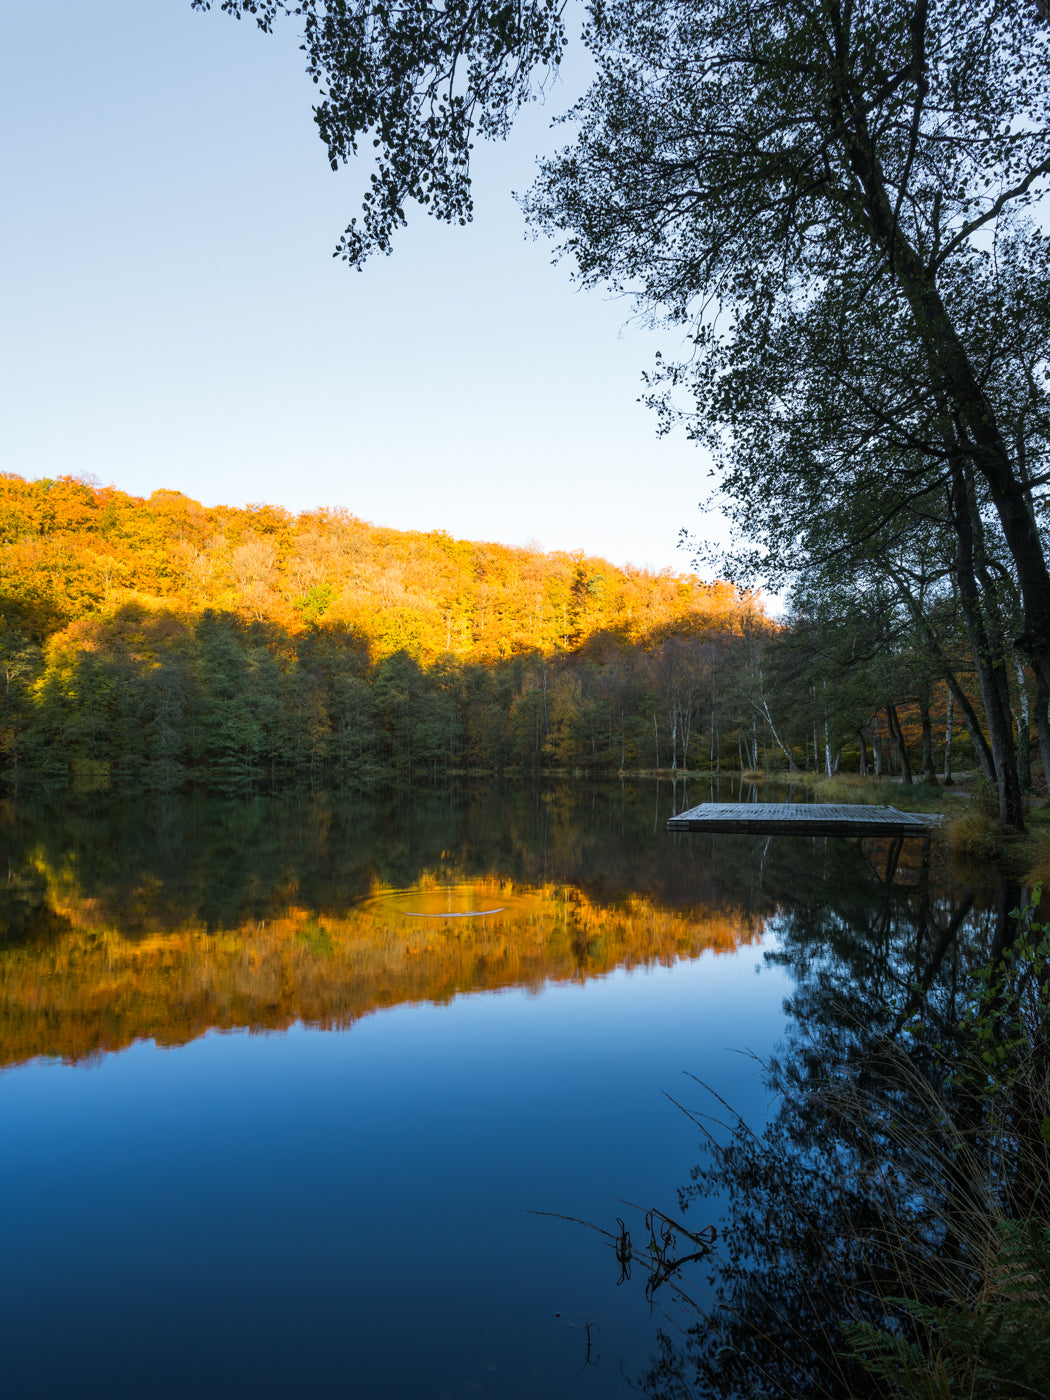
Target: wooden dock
column 803, row 818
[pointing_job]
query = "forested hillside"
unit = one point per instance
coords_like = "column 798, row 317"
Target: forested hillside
column 150, row 644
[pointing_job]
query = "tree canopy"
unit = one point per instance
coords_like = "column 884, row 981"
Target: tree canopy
column 830, row 199
column 415, row 80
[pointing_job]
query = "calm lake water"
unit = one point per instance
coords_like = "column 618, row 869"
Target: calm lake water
column 285, row 1082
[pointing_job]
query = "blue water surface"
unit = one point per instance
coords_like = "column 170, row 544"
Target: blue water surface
column 314, row 1213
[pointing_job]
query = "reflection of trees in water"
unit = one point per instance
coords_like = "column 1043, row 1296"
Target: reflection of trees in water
column 884, row 1172
column 166, row 919
column 164, row 862
column 92, row 991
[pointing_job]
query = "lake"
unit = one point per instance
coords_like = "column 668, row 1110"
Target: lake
column 295, row 1089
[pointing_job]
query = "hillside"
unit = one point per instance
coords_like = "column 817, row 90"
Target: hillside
column 148, row 642
column 70, row 550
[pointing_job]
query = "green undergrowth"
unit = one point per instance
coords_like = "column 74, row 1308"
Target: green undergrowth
column 1034, row 849
column 975, row 832
column 877, row 792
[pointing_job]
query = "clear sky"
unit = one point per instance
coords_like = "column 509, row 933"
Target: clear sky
column 172, row 315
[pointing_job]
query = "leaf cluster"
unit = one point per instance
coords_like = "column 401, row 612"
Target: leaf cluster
column 416, row 80
column 999, row 1347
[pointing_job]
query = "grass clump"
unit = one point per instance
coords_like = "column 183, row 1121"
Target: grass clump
column 998, row 1344
column 976, row 832
column 1036, row 850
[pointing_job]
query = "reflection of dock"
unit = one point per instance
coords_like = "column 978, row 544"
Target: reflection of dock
column 805, row 818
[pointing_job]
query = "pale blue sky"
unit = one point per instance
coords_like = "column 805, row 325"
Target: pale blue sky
column 173, row 316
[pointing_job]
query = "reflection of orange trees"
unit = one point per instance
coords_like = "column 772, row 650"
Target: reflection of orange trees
column 94, row 991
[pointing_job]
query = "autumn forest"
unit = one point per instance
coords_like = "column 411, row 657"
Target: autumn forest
column 152, row 644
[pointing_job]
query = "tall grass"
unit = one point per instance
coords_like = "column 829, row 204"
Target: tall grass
column 1036, row 850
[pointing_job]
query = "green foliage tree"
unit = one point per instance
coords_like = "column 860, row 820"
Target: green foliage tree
column 238, row 701
column 804, row 169
column 828, row 196
column 20, row 664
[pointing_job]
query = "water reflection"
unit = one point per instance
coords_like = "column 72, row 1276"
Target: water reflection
column 164, row 920
column 289, row 1202
column 439, row 902
column 161, row 920
column 876, row 1195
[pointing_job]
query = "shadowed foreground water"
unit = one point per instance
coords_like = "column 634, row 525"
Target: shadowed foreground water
column 287, row 1078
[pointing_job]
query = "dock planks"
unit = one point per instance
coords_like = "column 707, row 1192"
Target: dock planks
column 806, row 818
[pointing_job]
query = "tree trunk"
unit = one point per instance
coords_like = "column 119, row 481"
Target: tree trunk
column 710, row 752
column 973, row 728
column 954, row 375
column 863, row 754
column 948, row 741
column 1042, row 725
column 1024, row 752
column 776, row 737
column 928, row 775
column 991, row 664
column 898, row 737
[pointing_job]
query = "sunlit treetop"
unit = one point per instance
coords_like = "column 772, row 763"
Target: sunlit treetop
column 72, row 551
